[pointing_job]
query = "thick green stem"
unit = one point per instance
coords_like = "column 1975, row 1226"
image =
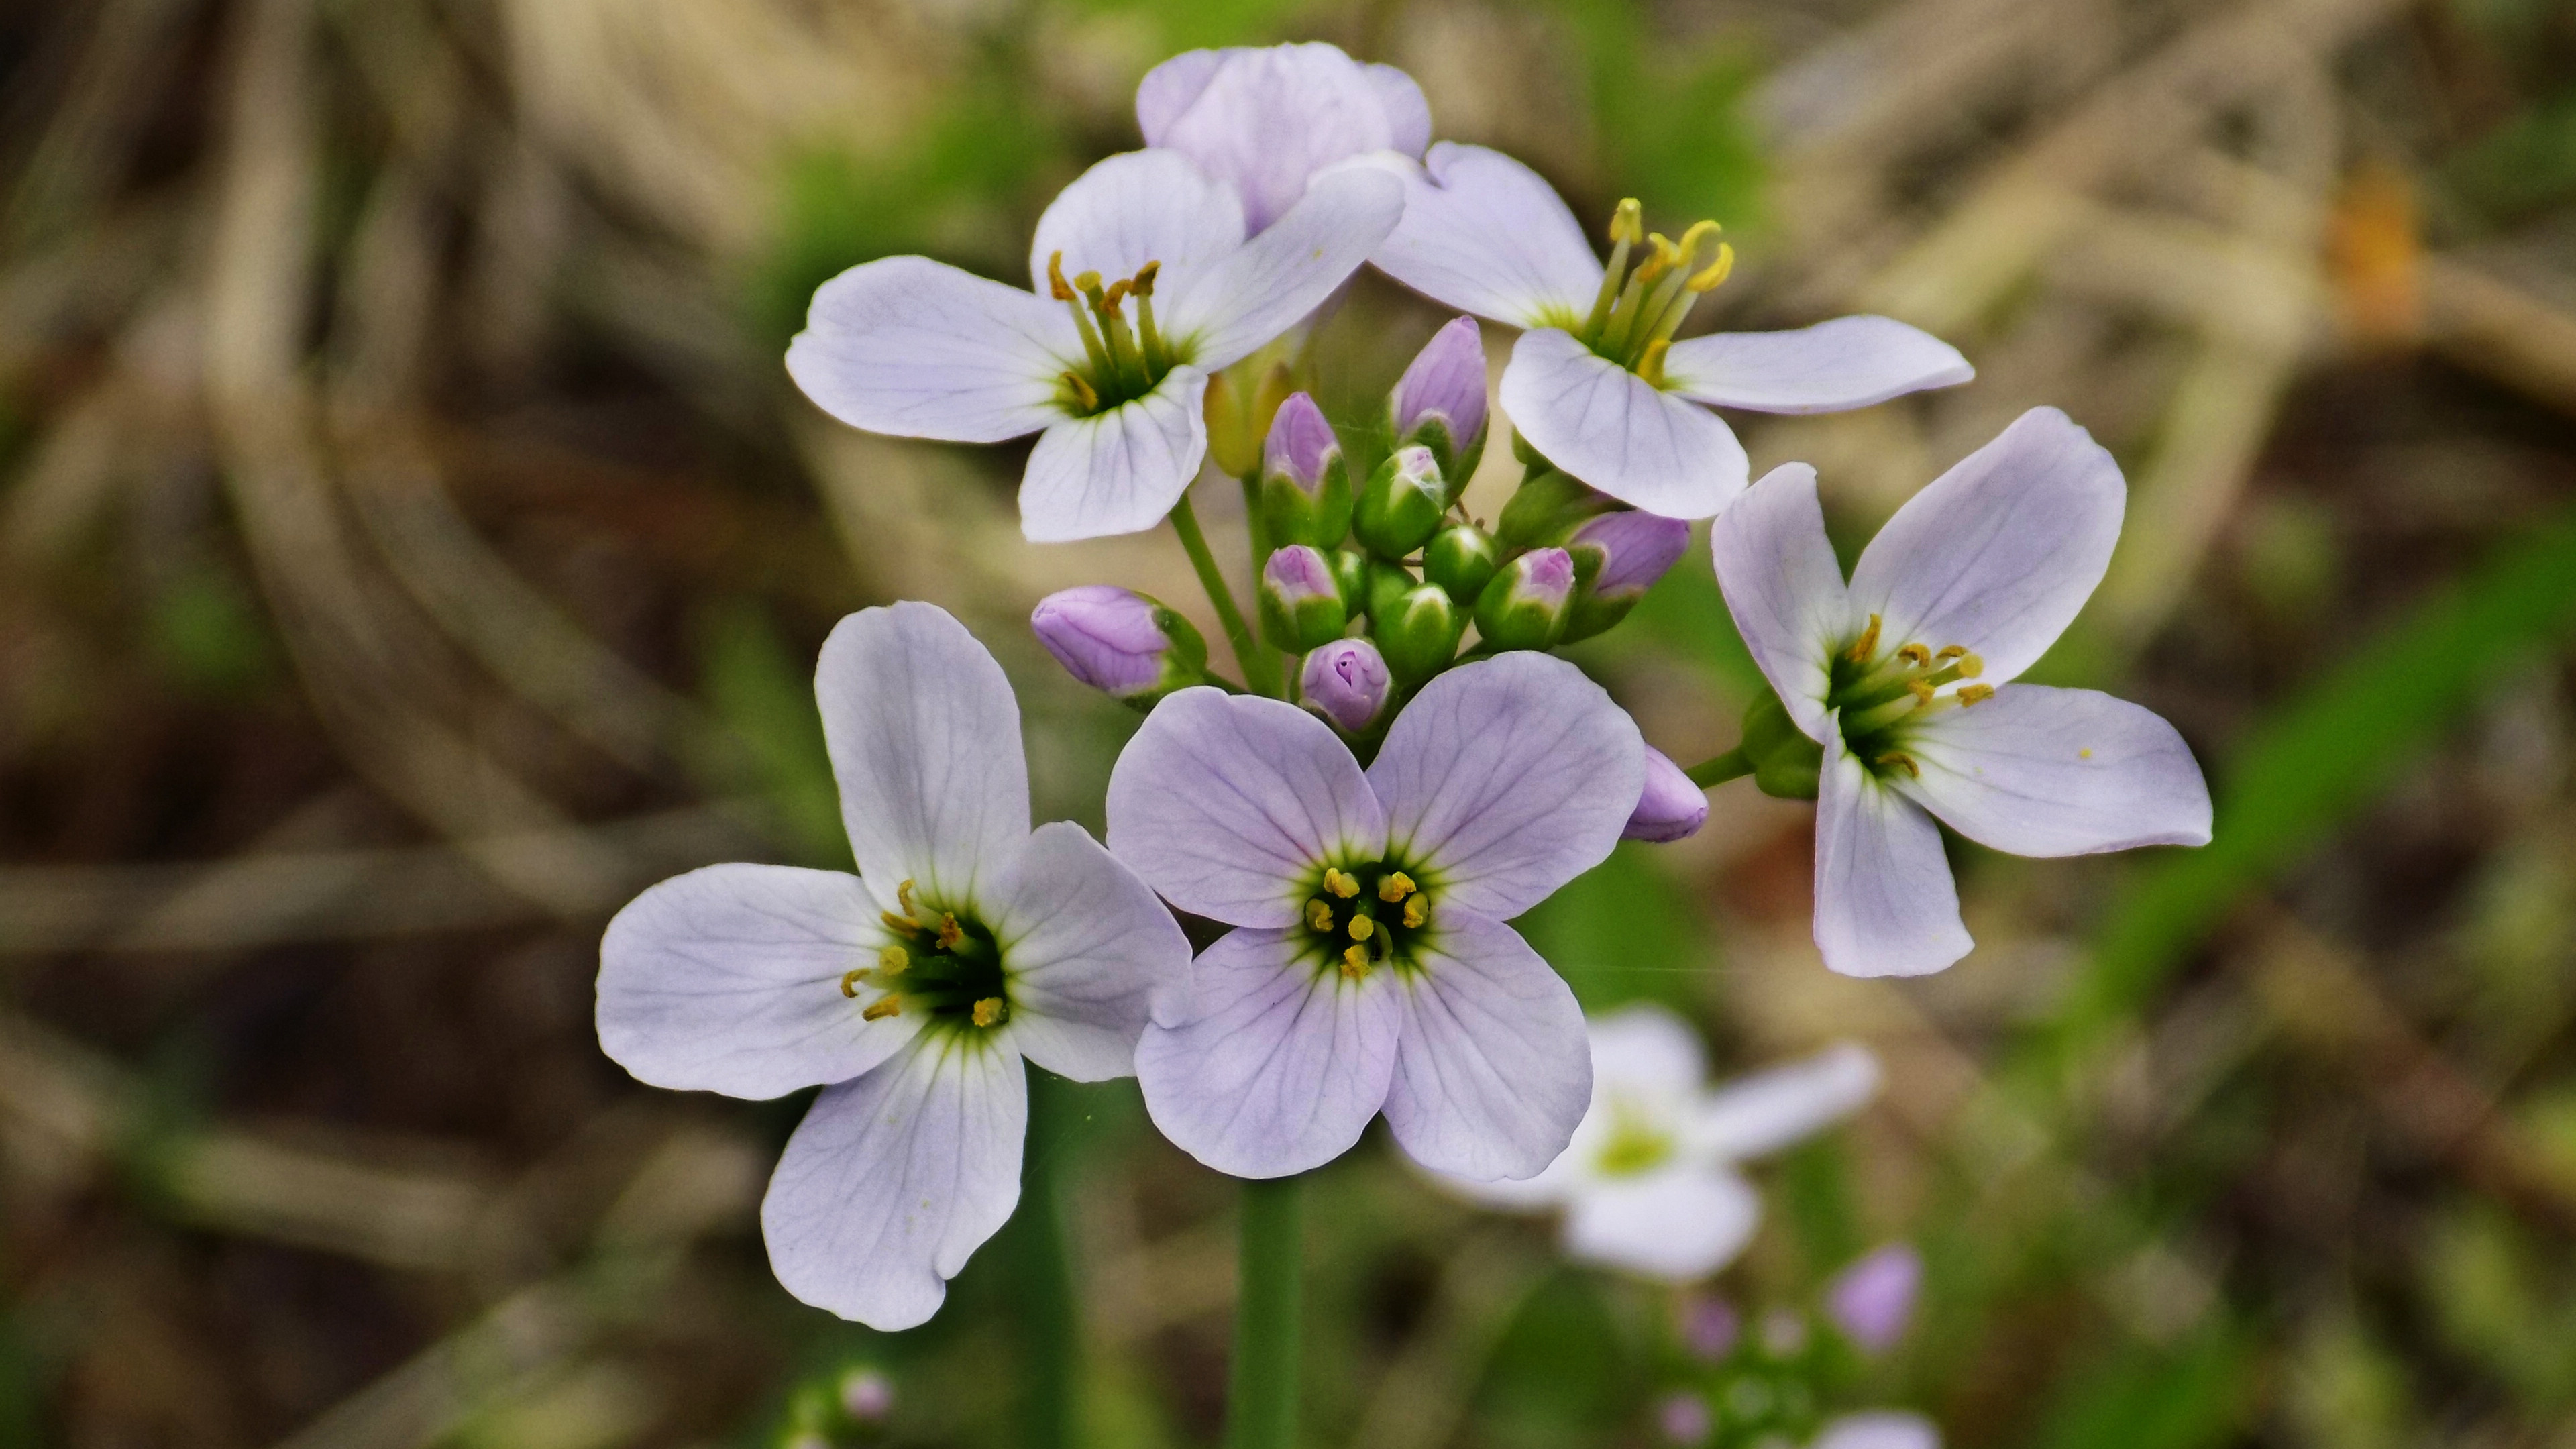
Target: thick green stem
column 1248, row 657
column 1257, row 532
column 1261, row 1392
column 1725, row 767
column 1050, row 1316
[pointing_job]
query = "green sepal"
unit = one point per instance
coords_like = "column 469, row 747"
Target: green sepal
column 1545, row 510
column 1786, row 764
column 1508, row 616
column 1400, row 507
column 1387, row 584
column 1321, row 518
column 1461, row 558
column 1351, row 573
column 1418, row 633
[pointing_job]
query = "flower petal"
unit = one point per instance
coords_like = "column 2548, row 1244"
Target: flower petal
column 728, row 979
column 1222, row 313
column 1614, row 430
column 1849, row 362
column 1089, row 951
column 1506, row 778
column 925, row 742
column 893, row 1180
column 1284, row 1063
column 1230, row 804
column 912, row 347
column 1784, row 587
column 1643, row 1048
column 1492, row 1071
column 1885, row 902
column 1486, row 234
column 1998, row 554
column 1118, row 471
column 1880, row 1430
column 1552, row 1187
column 1133, row 208
column 2041, row 771
column 1675, row 1225
column 1770, row 1109
column 1266, row 119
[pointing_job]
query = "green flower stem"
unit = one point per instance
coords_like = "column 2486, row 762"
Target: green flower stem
column 1258, row 533
column 1261, row 1391
column 1725, row 767
column 1050, row 1317
column 1247, row 653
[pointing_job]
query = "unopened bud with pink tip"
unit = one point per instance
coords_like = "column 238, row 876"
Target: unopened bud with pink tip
column 1347, row 682
column 1525, row 605
column 1301, row 601
column 1439, row 403
column 1670, row 807
column 1120, row 642
column 1305, row 485
column 1617, row 557
column 1872, row 1301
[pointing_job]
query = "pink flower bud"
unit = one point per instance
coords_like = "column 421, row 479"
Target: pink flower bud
column 1346, row 681
column 1683, row 1418
column 1444, row 389
column 867, row 1395
column 1670, row 807
column 1634, row 549
column 1872, row 1301
column 1301, row 444
column 1119, row 641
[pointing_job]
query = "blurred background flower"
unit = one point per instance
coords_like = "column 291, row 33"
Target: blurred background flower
column 411, row 546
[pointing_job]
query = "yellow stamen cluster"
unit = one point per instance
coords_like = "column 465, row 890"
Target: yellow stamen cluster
column 937, row 965
column 1365, row 923
column 1900, row 688
column 1638, row 309
column 988, row 1011
column 1126, row 360
column 1341, row 883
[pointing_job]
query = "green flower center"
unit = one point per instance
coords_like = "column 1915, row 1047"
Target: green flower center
column 1635, row 1144
column 1362, row 916
column 1124, row 357
column 942, row 965
column 1640, row 307
column 1884, row 694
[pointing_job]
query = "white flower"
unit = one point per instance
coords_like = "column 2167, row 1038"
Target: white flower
column 909, row 992
column 1902, row 676
column 1265, row 120
column 1111, row 373
column 1649, row 1183
column 1370, row 969
column 1596, row 383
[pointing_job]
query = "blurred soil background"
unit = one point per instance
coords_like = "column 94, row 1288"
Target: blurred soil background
column 411, row 546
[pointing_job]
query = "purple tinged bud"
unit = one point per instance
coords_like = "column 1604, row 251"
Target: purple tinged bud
column 1440, row 400
column 1549, row 575
column 1346, row 681
column 1526, row 604
column 1710, row 1328
column 1634, row 550
column 1684, row 1419
column 867, row 1395
column 1301, row 446
column 1670, row 807
column 1872, row 1301
column 1119, row 641
column 1301, row 600
column 1299, row 573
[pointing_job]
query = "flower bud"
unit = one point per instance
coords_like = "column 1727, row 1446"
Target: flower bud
column 1120, row 642
column 1617, row 557
column 1239, row 406
column 1301, row 601
column 1872, row 1301
column 1400, row 507
column 1786, row 764
column 1351, row 568
column 1461, row 558
column 1439, row 403
column 1710, row 1328
column 1419, row 632
column 1684, row 1419
column 1347, row 683
column 1525, row 605
column 1670, row 807
column 1386, row 586
column 1305, row 485
column 1545, row 510
column 867, row 1395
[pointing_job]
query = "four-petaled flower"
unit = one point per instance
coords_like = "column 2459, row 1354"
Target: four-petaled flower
column 909, row 992
column 1370, row 968
column 1903, row 677
column 1649, row 1184
column 1597, row 382
column 1111, row 373
column 1265, row 119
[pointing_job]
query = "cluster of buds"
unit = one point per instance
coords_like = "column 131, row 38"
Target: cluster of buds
column 1770, row 1386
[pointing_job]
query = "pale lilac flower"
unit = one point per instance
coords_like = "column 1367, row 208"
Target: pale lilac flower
column 1370, row 969
column 1670, row 807
column 1597, row 382
column 909, row 992
column 1877, row 1430
column 1265, row 120
column 1903, row 677
column 1146, row 281
column 1346, row 681
column 1650, row 1183
column 1873, row 1300
column 1120, row 642
column 1683, row 1418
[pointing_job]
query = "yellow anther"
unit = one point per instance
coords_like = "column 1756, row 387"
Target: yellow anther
column 1143, row 285
column 1650, row 366
column 1055, row 277
column 883, row 1007
column 1087, row 283
column 1971, row 693
column 1109, row 303
column 1713, row 276
column 1948, row 653
column 1921, row 689
column 1666, row 257
column 1082, row 391
column 1362, row 928
column 1628, row 222
column 950, row 933
column 1416, row 911
column 988, row 1011
column 1341, row 884
column 1700, row 231
column 1902, row 761
column 1396, row 887
column 1865, row 646
column 903, row 894
column 892, row 960
column 1319, row 917
column 1916, row 655
column 1970, row 666
column 900, row 925
column 1355, row 962
column 850, row 981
